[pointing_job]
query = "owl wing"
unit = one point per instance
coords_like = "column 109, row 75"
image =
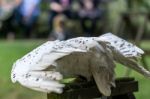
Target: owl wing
column 31, row 70
column 124, row 47
column 44, row 56
column 124, row 52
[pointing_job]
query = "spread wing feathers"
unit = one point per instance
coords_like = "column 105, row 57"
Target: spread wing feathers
column 124, row 52
column 131, row 64
column 42, row 81
column 102, row 69
column 124, row 47
column 44, row 56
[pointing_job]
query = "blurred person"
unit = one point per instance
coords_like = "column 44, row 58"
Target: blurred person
column 89, row 13
column 59, row 7
column 7, row 9
column 60, row 31
column 26, row 15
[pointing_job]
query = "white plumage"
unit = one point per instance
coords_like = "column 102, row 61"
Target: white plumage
column 45, row 66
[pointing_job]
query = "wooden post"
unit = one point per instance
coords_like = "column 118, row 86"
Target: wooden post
column 124, row 90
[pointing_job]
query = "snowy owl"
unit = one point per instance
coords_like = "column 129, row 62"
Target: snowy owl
column 44, row 67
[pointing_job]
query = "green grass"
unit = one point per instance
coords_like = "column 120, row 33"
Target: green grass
column 10, row 51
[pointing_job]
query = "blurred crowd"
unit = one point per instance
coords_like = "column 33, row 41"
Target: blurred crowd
column 24, row 14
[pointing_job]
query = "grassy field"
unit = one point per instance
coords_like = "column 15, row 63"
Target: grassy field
column 10, row 51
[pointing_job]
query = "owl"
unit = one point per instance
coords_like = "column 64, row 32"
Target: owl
column 90, row 57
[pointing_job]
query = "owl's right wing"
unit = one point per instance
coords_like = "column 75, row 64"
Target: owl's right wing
column 124, row 52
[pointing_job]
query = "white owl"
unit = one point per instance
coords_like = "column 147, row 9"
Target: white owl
column 44, row 67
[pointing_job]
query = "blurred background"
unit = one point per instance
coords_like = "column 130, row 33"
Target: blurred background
column 25, row 24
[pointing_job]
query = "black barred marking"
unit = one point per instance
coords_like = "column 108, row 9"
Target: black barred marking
column 126, row 51
column 27, row 75
column 29, row 55
column 37, row 79
column 14, row 75
column 123, row 40
column 129, row 45
column 129, row 54
column 115, row 41
column 36, row 52
column 122, row 44
column 83, row 42
column 122, row 48
column 133, row 51
column 76, row 40
column 86, row 47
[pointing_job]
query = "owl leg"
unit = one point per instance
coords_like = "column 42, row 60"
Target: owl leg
column 38, row 81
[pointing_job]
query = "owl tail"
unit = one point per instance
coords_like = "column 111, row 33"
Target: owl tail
column 103, row 73
column 100, row 76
